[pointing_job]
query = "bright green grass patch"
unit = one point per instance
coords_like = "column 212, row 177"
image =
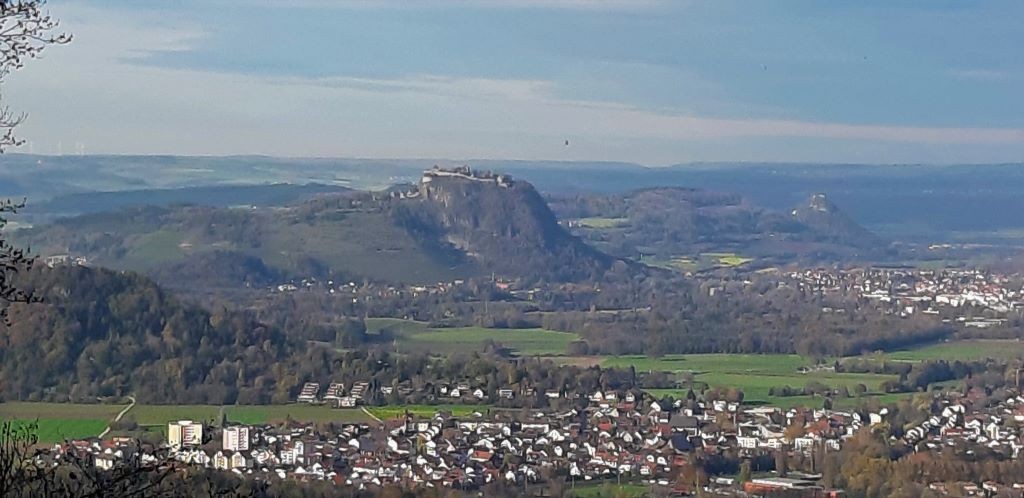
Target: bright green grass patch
column 611, row 490
column 60, row 421
column 754, row 374
column 57, row 430
column 25, row 410
column 162, row 414
column 426, row 411
column 756, row 387
column 417, row 336
column 962, row 350
column 727, row 258
column 734, row 260
column 702, row 261
column 299, row 412
column 603, row 223
column 779, row 364
column 527, row 342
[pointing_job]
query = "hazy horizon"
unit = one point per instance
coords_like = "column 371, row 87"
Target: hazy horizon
column 653, row 82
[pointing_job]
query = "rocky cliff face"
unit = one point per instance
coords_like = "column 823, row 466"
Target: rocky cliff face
column 503, row 224
column 830, row 223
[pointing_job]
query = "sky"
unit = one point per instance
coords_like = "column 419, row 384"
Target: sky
column 655, row 82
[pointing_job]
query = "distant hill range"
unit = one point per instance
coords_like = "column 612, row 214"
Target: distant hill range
column 665, row 223
column 453, row 224
column 276, row 194
column 975, row 203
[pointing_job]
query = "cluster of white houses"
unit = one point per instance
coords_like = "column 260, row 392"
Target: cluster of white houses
column 973, row 298
column 618, row 435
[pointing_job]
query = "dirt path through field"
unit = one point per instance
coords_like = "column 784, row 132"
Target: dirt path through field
column 120, row 415
column 368, row 414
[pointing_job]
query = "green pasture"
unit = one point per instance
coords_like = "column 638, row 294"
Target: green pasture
column 59, row 421
column 962, row 350
column 416, row 336
column 754, row 374
column 425, row 411
column 610, row 490
column 697, row 262
column 56, row 430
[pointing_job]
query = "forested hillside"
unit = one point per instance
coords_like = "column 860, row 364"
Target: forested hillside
column 102, row 333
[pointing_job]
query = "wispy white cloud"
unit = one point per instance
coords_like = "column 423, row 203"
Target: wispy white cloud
column 618, row 119
column 93, row 93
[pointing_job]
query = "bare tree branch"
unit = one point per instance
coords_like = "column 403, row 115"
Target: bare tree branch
column 25, row 30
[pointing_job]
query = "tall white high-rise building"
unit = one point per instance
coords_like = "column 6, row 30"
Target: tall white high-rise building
column 235, row 438
column 184, row 433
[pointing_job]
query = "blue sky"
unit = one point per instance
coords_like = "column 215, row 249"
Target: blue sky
column 650, row 81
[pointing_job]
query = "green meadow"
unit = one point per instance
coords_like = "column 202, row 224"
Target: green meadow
column 416, row 336
column 50, row 430
column 754, row 374
column 698, row 262
column 962, row 350
column 593, row 490
column 59, row 421
column 391, row 412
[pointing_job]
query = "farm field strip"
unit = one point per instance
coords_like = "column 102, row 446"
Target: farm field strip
column 962, row 350
column 28, row 410
column 59, row 421
column 391, row 412
column 700, row 261
column 418, row 336
column 754, row 374
column 86, row 420
column 50, row 430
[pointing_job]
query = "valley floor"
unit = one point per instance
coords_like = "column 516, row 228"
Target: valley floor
column 755, row 375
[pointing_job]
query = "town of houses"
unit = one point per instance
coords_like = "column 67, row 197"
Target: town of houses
column 972, row 424
column 972, row 298
column 617, row 435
